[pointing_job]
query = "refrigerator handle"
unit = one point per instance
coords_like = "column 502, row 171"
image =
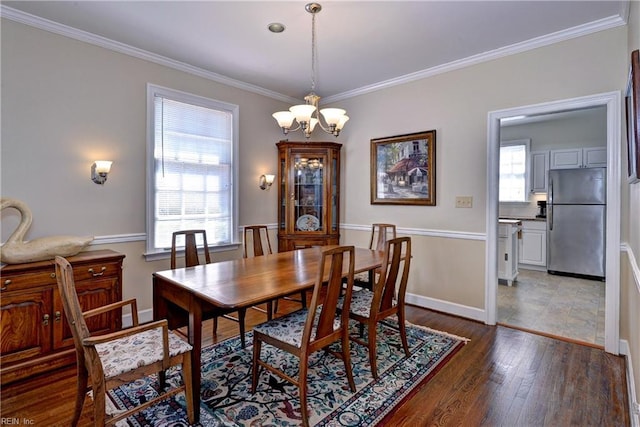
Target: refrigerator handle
column 550, row 205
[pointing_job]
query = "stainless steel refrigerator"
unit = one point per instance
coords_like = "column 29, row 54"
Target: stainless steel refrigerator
column 576, row 222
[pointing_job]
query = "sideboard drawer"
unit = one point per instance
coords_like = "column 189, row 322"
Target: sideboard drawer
column 17, row 282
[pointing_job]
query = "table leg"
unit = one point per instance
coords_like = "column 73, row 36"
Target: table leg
column 195, row 339
column 162, row 292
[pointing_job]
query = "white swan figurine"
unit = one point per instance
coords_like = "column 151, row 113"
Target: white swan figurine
column 17, row 251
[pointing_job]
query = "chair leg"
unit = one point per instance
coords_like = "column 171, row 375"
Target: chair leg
column 275, row 306
column 215, row 325
column 81, row 392
column 188, row 389
column 162, row 380
column 302, row 386
column 371, row 339
column 255, row 373
column 403, row 332
column 241, row 315
column 99, row 391
column 346, row 358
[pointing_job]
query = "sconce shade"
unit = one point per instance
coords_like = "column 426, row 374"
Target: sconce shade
column 103, row 166
column 99, row 171
column 266, row 181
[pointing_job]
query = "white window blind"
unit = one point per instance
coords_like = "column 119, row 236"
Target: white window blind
column 192, row 163
column 513, row 172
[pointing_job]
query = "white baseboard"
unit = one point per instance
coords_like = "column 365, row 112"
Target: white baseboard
column 633, row 398
column 447, row 307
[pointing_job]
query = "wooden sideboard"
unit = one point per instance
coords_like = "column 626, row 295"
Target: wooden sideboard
column 35, row 336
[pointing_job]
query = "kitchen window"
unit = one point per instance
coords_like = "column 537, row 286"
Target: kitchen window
column 191, row 167
column 514, row 173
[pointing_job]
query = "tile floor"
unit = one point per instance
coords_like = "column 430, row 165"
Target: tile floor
column 556, row 305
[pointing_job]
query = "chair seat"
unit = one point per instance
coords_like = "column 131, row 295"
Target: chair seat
column 128, row 353
column 289, row 328
column 361, row 302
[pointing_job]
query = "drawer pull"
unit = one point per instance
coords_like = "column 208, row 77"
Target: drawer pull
column 53, row 275
column 6, row 283
column 45, row 320
column 92, row 271
column 58, row 316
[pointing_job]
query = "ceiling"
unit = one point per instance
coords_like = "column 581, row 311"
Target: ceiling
column 361, row 45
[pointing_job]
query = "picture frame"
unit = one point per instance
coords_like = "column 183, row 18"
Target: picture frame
column 403, row 169
column 632, row 102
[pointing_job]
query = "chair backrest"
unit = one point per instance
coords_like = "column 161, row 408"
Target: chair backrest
column 392, row 281
column 255, row 240
column 326, row 292
column 191, row 257
column 380, row 233
column 71, row 306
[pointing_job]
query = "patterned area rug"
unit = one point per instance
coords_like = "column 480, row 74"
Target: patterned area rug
column 226, row 384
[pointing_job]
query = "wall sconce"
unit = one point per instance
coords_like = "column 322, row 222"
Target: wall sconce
column 266, row 181
column 99, row 171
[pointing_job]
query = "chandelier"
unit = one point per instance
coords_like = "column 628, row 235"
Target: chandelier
column 307, row 114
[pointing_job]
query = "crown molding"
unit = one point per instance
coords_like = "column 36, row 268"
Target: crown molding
column 548, row 39
column 94, row 39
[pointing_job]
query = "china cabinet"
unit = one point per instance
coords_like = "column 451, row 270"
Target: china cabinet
column 308, row 194
column 35, row 335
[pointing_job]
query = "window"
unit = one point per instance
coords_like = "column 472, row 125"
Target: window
column 514, row 176
column 191, row 167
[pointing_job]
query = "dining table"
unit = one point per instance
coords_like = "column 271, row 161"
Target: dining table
column 184, row 295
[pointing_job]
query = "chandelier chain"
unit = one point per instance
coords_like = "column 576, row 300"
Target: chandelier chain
column 313, row 52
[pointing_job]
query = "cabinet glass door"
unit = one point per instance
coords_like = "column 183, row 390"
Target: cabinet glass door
column 308, row 183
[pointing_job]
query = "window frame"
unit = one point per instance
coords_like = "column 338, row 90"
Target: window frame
column 527, row 169
column 152, row 253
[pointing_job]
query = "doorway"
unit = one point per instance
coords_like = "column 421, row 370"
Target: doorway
column 568, row 307
column 612, row 102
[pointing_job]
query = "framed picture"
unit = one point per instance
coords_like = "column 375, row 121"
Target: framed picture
column 403, row 169
column 633, row 118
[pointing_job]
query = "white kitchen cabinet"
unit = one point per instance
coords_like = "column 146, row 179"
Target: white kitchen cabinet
column 508, row 250
column 572, row 158
column 533, row 245
column 539, row 167
column 595, row 157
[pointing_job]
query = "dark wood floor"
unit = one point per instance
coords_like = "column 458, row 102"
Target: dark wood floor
column 502, row 377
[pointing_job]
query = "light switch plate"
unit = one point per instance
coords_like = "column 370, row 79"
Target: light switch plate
column 464, row 201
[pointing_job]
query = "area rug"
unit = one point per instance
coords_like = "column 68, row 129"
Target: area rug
column 226, row 384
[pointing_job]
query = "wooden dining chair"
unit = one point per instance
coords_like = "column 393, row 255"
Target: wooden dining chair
column 191, row 256
column 380, row 233
column 387, row 298
column 192, row 259
column 256, row 242
column 308, row 330
column 120, row 357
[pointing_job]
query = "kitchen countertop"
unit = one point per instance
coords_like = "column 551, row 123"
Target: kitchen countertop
column 521, row 218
